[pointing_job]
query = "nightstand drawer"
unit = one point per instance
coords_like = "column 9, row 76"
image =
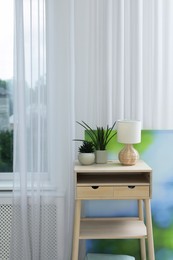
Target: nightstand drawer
column 131, row 192
column 95, row 192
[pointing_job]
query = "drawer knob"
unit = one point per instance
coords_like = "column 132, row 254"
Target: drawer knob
column 131, row 187
column 94, row 187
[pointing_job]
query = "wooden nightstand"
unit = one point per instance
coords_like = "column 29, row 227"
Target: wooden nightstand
column 113, row 181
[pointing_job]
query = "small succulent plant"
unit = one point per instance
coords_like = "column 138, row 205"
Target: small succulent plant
column 86, row 147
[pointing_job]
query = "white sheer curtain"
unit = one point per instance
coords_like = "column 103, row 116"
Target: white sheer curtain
column 91, row 60
column 124, row 60
column 43, row 149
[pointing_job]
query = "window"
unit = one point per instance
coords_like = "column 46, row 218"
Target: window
column 6, row 85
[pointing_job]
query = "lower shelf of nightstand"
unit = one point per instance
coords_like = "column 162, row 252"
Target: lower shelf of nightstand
column 112, row 228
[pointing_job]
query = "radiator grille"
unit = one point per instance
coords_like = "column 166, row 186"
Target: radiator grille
column 5, row 230
column 53, row 229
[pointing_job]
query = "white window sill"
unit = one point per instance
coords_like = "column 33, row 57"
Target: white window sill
column 6, row 181
column 6, row 186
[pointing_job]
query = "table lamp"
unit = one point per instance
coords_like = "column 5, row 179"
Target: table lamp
column 128, row 133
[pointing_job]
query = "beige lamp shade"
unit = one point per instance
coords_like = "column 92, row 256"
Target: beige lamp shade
column 128, row 131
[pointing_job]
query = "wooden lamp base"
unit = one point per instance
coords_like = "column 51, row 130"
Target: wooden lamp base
column 128, row 155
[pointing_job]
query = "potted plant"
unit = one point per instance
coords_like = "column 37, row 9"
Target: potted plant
column 100, row 139
column 86, row 154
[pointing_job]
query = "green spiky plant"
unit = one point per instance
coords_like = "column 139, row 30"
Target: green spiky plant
column 99, row 137
column 86, row 147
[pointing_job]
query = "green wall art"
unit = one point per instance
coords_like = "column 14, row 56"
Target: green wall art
column 156, row 150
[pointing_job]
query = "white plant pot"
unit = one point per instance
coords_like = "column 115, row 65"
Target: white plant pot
column 101, row 156
column 86, row 158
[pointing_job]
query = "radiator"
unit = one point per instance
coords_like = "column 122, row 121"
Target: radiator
column 55, row 213
column 5, row 226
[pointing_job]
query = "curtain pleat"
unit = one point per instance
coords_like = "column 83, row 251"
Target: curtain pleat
column 43, row 191
column 126, row 62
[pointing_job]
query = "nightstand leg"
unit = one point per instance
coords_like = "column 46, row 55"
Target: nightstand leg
column 149, row 230
column 76, row 230
column 142, row 240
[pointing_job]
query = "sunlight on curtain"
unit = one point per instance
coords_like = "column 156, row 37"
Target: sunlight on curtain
column 43, row 152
